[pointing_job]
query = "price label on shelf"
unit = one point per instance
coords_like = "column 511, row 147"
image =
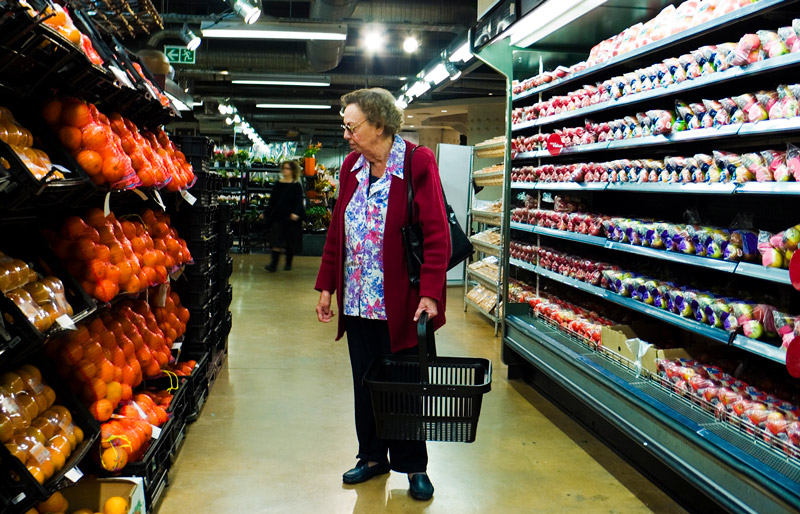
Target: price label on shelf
column 140, row 194
column 175, row 275
column 188, row 197
column 161, row 297
column 609, row 244
column 62, row 169
column 176, row 345
column 156, row 431
column 107, row 205
column 74, row 475
column 64, row 321
column 159, row 201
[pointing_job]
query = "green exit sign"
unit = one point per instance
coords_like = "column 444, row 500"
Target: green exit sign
column 179, row 54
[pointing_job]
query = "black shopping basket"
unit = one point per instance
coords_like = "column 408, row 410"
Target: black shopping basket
column 428, row 398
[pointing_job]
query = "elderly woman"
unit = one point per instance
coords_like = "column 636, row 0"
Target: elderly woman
column 364, row 263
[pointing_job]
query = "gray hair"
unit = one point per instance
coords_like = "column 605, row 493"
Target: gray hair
column 378, row 106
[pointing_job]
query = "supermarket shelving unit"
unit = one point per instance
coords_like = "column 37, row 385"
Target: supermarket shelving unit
column 485, row 220
column 704, row 462
column 244, row 190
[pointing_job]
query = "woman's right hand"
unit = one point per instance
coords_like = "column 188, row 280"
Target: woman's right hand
column 324, row 312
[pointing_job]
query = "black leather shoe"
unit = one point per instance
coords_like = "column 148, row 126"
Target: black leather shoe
column 421, row 487
column 363, row 472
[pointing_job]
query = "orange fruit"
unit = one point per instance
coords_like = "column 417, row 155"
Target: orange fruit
column 113, row 168
column 51, row 112
column 106, row 370
column 115, row 505
column 114, row 392
column 83, row 511
column 58, row 16
column 101, row 410
column 76, row 114
column 90, row 161
column 114, row 459
column 85, row 370
column 94, row 137
column 56, row 503
column 70, row 137
column 94, row 390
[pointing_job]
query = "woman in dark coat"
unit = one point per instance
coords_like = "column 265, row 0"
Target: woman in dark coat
column 364, row 264
column 284, row 213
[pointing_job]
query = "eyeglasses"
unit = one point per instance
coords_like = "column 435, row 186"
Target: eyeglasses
column 352, row 128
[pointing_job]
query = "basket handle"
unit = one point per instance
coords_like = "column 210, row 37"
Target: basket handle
column 426, row 344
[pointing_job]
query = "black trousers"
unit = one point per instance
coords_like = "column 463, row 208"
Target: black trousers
column 368, row 340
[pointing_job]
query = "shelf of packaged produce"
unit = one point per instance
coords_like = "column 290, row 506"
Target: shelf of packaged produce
column 614, row 66
column 487, row 218
column 483, row 280
column 751, row 345
column 742, row 130
column 484, row 247
column 674, row 431
column 480, row 309
column 715, row 79
column 522, row 264
column 772, row 188
column 780, row 276
column 785, row 188
column 759, row 271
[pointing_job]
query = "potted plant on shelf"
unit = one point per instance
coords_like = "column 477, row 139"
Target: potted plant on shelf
column 310, row 158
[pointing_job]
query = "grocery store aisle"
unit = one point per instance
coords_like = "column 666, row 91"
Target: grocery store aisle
column 277, row 432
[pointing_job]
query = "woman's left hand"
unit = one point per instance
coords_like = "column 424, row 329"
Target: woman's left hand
column 428, row 305
column 294, row 217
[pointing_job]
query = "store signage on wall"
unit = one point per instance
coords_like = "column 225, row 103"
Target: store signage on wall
column 555, row 144
column 179, row 54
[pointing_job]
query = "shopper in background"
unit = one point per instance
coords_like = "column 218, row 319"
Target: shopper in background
column 364, row 263
column 284, row 214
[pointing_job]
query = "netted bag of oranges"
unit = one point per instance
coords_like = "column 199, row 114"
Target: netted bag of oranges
column 123, row 440
column 38, row 433
column 86, row 133
column 181, row 171
column 20, row 140
column 59, row 19
column 149, row 166
column 172, row 317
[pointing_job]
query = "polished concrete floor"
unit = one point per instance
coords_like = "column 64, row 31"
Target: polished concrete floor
column 277, row 430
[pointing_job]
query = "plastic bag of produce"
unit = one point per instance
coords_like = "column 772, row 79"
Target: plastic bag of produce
column 675, row 70
column 752, row 108
column 756, row 167
column 661, row 121
column 704, row 57
column 690, row 66
column 793, row 160
column 700, row 119
column 735, row 115
column 707, row 167
column 772, row 249
column 654, row 236
column 723, row 56
column 788, row 36
column 747, row 50
column 776, row 162
column 772, row 44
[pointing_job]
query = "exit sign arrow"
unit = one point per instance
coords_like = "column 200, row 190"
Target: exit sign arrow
column 179, row 54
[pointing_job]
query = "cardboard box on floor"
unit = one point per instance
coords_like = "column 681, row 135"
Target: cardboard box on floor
column 91, row 493
column 625, row 340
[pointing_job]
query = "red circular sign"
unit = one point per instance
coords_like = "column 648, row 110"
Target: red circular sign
column 793, row 357
column 555, row 144
column 794, row 272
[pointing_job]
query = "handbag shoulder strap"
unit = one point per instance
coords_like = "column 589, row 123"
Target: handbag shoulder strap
column 409, row 180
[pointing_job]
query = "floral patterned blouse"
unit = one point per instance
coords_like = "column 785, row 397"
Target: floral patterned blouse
column 364, row 223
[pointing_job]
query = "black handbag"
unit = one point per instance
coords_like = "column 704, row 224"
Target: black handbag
column 460, row 246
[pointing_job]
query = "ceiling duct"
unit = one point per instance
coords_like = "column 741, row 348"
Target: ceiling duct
column 326, row 55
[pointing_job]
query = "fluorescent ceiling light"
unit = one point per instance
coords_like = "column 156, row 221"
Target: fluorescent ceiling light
column 256, row 82
column 437, row 74
column 301, row 31
column 463, row 54
column 418, row 89
column 548, row 18
column 292, row 106
column 454, row 72
column 410, row 45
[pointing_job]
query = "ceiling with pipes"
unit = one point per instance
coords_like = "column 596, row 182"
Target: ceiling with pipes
column 221, row 63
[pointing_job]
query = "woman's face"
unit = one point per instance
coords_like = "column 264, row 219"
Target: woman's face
column 364, row 135
column 287, row 171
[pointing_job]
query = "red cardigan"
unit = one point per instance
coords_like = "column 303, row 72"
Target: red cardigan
column 401, row 298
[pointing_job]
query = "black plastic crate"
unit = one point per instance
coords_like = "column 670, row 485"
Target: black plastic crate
column 225, row 268
column 205, row 247
column 226, row 297
column 198, row 385
column 195, row 146
column 196, row 215
column 207, row 181
column 202, row 265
